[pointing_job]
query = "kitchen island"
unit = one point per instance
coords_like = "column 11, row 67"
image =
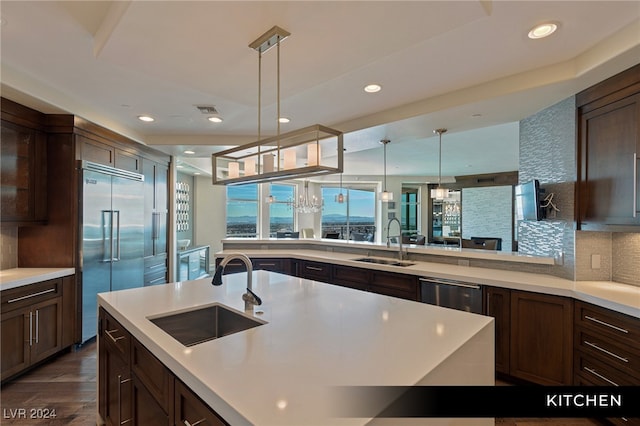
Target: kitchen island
column 316, row 336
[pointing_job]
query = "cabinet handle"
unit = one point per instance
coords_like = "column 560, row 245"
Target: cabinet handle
column 635, row 184
column 157, row 280
column 30, row 328
column 114, row 339
column 596, row 320
column 313, row 268
column 593, row 345
column 266, row 264
column 186, row 422
column 37, row 325
column 595, row 373
column 29, row 296
column 120, row 382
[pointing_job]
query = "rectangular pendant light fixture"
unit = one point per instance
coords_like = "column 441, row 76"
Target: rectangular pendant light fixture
column 322, row 146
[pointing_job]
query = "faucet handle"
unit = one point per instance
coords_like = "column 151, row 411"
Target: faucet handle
column 251, row 297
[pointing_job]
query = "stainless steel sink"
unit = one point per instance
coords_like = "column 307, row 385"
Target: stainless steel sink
column 389, row 262
column 204, row 324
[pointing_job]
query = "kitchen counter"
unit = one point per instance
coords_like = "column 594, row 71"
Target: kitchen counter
column 317, row 336
column 619, row 297
column 17, row 277
column 435, row 250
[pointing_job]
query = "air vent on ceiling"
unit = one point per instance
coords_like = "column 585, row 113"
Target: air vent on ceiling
column 207, row 109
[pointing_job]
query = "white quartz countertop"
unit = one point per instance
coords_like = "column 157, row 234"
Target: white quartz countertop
column 619, row 297
column 434, row 250
column 317, row 336
column 17, row 277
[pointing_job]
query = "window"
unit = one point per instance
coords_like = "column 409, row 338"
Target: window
column 242, row 211
column 281, row 215
column 353, row 219
column 409, row 207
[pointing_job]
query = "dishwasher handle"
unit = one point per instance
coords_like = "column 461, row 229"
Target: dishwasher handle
column 449, row 282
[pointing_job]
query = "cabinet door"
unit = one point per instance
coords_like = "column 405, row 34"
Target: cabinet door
column 347, row 276
column 114, row 402
column 190, row 410
column 315, row 271
column 46, row 329
column 609, row 137
column 14, row 335
column 146, row 410
column 541, row 338
column 398, row 285
column 22, row 172
column 96, row 152
column 498, row 305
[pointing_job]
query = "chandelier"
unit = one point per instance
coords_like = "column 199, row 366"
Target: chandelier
column 306, row 203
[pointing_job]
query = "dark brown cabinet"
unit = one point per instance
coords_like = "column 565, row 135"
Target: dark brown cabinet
column 315, row 271
column 31, row 325
column 606, row 350
column 23, row 173
column 136, row 388
column 497, row 304
column 190, row 410
column 609, row 153
column 541, row 339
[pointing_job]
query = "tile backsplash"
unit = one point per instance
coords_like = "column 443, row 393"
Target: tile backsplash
column 618, row 255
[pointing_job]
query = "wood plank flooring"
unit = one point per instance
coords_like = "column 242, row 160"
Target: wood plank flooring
column 68, row 385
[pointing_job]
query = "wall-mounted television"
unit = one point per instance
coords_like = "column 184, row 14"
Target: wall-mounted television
column 527, row 201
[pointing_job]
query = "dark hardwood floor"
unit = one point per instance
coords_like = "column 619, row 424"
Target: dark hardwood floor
column 67, row 384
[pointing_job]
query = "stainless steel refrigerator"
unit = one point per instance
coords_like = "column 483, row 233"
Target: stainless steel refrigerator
column 112, row 246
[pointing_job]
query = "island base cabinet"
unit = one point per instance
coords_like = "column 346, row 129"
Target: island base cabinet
column 191, row 411
column 541, row 338
column 146, row 409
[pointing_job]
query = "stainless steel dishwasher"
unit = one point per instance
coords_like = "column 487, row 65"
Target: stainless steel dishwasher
column 452, row 294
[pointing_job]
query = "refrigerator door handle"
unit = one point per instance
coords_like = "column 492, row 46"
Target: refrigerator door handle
column 117, row 239
column 107, row 236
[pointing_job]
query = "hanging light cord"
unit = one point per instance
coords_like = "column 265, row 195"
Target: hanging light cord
column 385, row 165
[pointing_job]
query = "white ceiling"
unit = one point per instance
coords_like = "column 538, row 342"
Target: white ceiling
column 463, row 65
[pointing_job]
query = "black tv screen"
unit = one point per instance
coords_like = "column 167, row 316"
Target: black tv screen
column 527, row 201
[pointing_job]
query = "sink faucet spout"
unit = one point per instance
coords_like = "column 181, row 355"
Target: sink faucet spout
column 400, row 252
column 250, row 298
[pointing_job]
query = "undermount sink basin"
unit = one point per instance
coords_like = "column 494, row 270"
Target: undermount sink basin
column 204, row 324
column 389, row 262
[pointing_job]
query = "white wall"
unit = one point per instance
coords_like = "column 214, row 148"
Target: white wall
column 210, row 215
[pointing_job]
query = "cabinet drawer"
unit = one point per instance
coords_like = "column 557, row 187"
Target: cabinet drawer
column 601, row 347
column 590, row 370
column 395, row 283
column 190, row 410
column 315, row 271
column 350, row 277
column 153, row 374
column 275, row 265
column 625, row 330
column 114, row 335
column 28, row 295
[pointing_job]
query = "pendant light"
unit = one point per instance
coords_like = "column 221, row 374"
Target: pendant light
column 340, row 198
column 385, row 196
column 440, row 193
column 281, row 148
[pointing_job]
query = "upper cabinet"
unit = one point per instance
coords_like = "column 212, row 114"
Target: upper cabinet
column 609, row 154
column 23, row 165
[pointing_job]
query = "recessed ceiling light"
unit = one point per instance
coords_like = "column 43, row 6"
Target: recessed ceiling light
column 146, row 118
column 215, row 119
column 542, row 30
column 189, row 152
column 372, row 88
column 283, row 120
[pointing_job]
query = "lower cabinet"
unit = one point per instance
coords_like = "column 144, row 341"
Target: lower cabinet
column 541, row 338
column 193, row 263
column 497, row 304
column 31, row 325
column 135, row 388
